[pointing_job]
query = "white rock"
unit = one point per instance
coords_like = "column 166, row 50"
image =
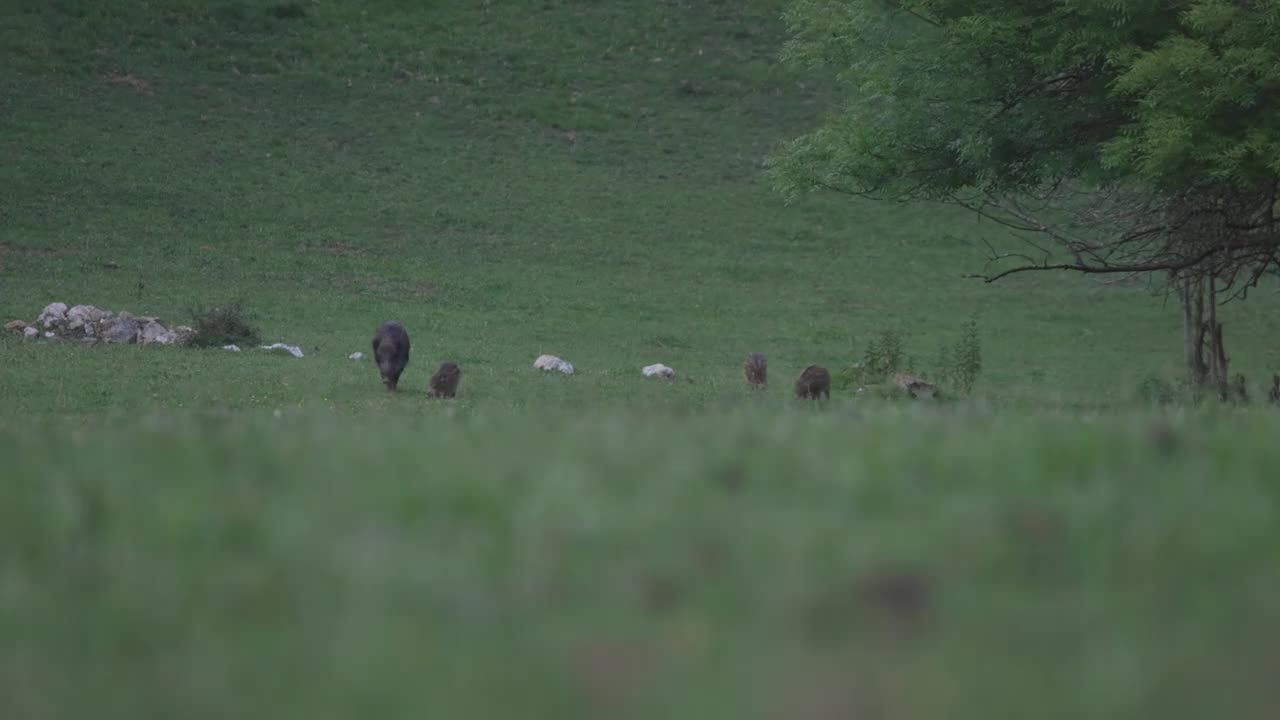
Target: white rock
column 293, row 350
column 30, row 332
column 232, row 348
column 84, row 316
column 551, row 362
column 355, row 356
column 94, row 329
column 50, row 333
column 120, row 329
column 155, row 333
column 658, row 370
column 54, row 314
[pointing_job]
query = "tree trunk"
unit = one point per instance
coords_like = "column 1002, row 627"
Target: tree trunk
column 1211, row 326
column 1202, row 335
column 1220, row 364
column 1193, row 330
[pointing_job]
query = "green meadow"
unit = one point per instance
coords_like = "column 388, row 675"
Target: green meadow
column 198, row 533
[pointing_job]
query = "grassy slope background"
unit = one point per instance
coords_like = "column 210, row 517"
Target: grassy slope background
column 511, row 178
column 505, row 178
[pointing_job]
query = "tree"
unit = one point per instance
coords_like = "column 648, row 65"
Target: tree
column 1140, row 138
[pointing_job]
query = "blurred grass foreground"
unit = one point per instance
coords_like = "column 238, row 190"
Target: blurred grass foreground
column 895, row 564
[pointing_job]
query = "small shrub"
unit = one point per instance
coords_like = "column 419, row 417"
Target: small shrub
column 222, row 325
column 1154, row 390
column 960, row 365
column 885, row 355
column 1238, row 390
column 854, row 376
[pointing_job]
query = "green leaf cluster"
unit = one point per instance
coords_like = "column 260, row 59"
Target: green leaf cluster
column 1003, row 96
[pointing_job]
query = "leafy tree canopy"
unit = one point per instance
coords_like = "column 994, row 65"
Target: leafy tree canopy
column 1007, row 96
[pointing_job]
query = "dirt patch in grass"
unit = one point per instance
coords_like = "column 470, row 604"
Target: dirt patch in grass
column 369, row 284
column 133, row 82
column 341, row 249
column 7, row 251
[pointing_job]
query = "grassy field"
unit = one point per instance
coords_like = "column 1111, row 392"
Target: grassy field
column 506, row 179
column 199, row 533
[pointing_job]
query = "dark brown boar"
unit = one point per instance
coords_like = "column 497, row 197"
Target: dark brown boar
column 756, row 370
column 391, row 352
column 814, row 381
column 444, row 384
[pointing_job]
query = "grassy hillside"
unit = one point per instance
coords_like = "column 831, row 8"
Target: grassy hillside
column 200, row 533
column 505, row 178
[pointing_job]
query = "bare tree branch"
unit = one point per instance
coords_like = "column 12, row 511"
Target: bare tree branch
column 1102, row 270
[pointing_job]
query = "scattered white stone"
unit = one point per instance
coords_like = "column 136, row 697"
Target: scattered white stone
column 155, row 333
column 30, row 332
column 293, row 350
column 123, row 328
column 915, row 385
column 93, row 323
column 551, row 362
column 50, row 333
column 355, row 356
column 84, row 316
column 54, row 314
column 658, row 370
column 232, row 348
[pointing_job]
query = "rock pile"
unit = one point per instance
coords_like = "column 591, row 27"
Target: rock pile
column 915, row 386
column 91, row 324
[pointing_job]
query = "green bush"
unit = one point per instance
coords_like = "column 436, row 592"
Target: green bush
column 885, row 355
column 960, row 364
column 1155, row 390
column 854, row 376
column 222, row 325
